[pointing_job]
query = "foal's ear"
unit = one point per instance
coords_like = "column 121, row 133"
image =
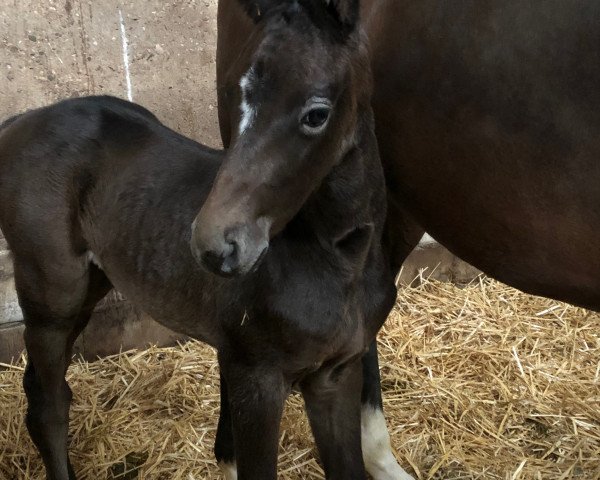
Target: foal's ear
column 256, row 9
column 347, row 12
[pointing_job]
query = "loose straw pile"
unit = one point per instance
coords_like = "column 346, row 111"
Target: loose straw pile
column 481, row 382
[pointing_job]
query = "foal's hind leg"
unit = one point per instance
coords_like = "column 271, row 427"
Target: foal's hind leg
column 57, row 303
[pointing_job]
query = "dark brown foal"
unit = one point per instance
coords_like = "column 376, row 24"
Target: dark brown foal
column 95, row 193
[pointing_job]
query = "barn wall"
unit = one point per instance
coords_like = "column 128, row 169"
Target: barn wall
column 55, row 49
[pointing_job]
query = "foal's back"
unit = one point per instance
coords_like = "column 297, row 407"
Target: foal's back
column 54, row 160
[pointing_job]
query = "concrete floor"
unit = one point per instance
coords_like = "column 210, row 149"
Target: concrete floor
column 161, row 55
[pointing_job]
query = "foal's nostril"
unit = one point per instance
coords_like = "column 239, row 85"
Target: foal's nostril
column 222, row 263
column 231, row 261
column 237, row 251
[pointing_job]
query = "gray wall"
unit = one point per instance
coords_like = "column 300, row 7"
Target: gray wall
column 66, row 48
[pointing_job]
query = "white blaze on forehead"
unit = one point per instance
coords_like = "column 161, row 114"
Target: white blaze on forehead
column 377, row 450
column 248, row 111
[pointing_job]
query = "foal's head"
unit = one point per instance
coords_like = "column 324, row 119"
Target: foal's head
column 304, row 85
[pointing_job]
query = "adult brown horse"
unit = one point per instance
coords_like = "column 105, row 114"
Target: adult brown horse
column 488, row 123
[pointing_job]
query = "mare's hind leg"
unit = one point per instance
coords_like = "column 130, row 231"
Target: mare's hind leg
column 224, row 450
column 57, row 302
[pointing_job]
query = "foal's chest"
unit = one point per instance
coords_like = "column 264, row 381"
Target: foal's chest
column 313, row 314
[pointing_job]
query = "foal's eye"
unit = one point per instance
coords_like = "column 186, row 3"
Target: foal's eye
column 315, row 119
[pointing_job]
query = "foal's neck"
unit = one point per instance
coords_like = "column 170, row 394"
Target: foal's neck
column 353, row 193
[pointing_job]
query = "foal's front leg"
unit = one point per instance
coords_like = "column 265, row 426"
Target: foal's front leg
column 256, row 398
column 332, row 399
column 224, row 450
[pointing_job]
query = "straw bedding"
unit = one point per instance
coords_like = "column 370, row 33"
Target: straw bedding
column 481, row 382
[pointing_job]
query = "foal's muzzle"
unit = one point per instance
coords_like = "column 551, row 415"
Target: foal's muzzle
column 236, row 251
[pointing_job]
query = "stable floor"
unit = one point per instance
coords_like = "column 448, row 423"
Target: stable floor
column 481, row 382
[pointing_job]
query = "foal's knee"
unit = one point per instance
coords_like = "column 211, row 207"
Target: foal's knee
column 42, row 401
column 327, row 383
